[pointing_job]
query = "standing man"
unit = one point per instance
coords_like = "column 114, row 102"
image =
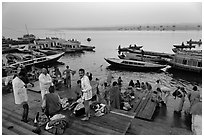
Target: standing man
column 45, row 82
column 86, row 92
column 67, row 80
column 193, row 96
column 20, row 95
column 115, row 98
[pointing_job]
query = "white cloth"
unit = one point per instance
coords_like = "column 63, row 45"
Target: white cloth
column 197, row 124
column 86, row 88
column 45, row 82
column 165, row 93
column 19, row 90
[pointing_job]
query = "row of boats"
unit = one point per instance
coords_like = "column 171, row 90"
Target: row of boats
column 134, row 58
column 39, row 52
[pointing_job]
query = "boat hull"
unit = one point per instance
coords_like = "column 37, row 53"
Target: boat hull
column 39, row 61
column 146, row 58
column 134, row 68
column 187, row 68
column 87, row 48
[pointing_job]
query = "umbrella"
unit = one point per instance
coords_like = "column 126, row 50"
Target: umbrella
column 196, row 109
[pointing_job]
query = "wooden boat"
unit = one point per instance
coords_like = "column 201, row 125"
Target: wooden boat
column 152, row 53
column 183, row 46
column 46, row 51
column 188, row 61
column 134, row 65
column 38, row 61
column 87, row 48
column 139, row 57
column 186, row 51
column 135, row 47
column 194, row 42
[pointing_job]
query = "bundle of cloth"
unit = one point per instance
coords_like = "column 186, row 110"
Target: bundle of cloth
column 57, row 124
column 99, row 109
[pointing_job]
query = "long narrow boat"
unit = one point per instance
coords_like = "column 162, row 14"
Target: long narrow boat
column 135, row 47
column 139, row 57
column 87, row 48
column 194, row 42
column 152, row 53
column 134, row 65
column 38, row 61
column 184, row 46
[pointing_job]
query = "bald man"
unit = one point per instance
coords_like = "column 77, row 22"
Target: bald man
column 45, row 82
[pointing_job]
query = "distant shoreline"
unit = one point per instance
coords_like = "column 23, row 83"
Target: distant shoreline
column 136, row 28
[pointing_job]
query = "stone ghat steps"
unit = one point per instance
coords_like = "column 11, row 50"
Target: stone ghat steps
column 12, row 124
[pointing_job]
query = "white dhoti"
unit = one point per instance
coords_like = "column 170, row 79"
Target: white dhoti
column 45, row 83
column 197, row 124
column 44, row 90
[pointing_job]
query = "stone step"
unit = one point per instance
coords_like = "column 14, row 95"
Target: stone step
column 14, row 117
column 6, row 131
column 16, row 128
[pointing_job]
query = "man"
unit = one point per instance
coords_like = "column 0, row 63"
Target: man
column 67, row 80
column 115, row 96
column 193, row 96
column 86, row 92
column 51, row 103
column 45, row 82
column 20, row 95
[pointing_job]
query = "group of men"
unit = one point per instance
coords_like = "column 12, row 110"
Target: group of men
column 51, row 102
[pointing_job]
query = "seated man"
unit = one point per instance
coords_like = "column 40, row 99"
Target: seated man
column 51, row 103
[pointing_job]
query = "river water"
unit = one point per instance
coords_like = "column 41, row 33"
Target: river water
column 107, row 42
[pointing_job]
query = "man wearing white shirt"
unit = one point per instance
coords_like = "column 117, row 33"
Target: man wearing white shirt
column 45, row 82
column 87, row 92
column 20, row 95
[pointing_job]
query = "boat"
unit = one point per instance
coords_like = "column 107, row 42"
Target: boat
column 72, row 46
column 139, row 57
column 183, row 46
column 179, row 50
column 87, row 48
column 188, row 61
column 134, row 65
column 152, row 53
column 46, row 51
column 38, row 61
column 194, row 42
column 135, row 47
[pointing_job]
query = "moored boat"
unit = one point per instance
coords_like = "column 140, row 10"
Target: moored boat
column 139, row 57
column 194, row 42
column 134, row 65
column 87, row 48
column 183, row 46
column 135, row 47
column 187, row 61
column 37, row 61
column 152, row 53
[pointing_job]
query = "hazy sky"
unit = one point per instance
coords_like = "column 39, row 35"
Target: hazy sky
column 87, row 14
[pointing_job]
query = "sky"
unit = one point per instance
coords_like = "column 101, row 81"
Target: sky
column 99, row 14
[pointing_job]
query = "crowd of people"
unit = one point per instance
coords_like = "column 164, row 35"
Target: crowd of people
column 107, row 92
